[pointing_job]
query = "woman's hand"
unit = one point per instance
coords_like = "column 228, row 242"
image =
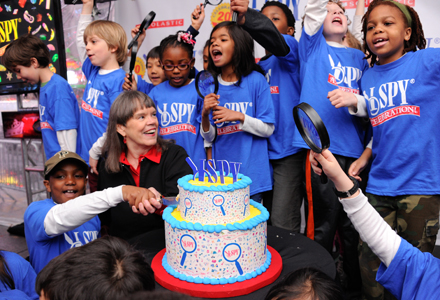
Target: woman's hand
column 141, row 200
column 129, row 85
column 222, row 114
column 210, row 101
column 339, row 99
column 198, row 16
column 93, row 165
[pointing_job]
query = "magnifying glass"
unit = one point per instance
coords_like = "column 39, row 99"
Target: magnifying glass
column 246, row 203
column 232, row 253
column 188, row 244
column 210, row 2
column 218, row 201
column 134, row 51
column 188, row 205
column 206, row 83
column 312, row 130
column 144, row 26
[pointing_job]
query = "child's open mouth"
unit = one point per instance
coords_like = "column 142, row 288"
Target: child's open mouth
column 70, row 193
column 216, row 55
column 379, row 42
column 337, row 20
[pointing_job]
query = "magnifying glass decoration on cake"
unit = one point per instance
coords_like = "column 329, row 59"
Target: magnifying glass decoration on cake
column 312, row 130
column 188, row 244
column 246, row 203
column 210, row 2
column 232, row 253
column 144, row 26
column 218, row 201
column 188, row 205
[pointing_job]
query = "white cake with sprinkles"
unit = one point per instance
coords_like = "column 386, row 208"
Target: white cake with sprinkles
column 217, row 234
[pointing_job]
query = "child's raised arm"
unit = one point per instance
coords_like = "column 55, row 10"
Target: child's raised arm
column 372, row 228
column 84, row 20
column 67, row 216
column 314, row 15
column 262, row 29
column 198, row 16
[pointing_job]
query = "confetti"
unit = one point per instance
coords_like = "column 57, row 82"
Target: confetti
column 28, row 18
column 36, row 30
column 45, row 27
column 49, row 16
column 55, row 57
column 52, row 35
column 39, row 18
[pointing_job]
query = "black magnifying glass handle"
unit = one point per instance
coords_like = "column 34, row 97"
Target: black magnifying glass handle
column 134, row 50
column 324, row 178
column 234, row 16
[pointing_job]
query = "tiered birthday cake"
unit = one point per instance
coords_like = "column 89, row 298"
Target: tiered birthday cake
column 216, row 235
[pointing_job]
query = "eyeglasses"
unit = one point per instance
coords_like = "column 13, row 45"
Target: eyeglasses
column 181, row 67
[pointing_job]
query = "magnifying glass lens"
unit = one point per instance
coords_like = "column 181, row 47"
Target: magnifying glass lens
column 309, row 129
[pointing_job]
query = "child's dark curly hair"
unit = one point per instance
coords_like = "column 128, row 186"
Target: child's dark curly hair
column 172, row 41
column 416, row 41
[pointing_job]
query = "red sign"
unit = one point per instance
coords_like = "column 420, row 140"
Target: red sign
column 167, row 23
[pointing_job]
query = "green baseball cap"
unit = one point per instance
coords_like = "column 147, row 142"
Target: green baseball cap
column 61, row 156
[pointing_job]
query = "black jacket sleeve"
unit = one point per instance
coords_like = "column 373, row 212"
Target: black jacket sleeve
column 265, row 33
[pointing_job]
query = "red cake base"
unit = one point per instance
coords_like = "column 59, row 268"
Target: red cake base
column 217, row 291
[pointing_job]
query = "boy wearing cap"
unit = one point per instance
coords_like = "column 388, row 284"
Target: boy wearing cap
column 69, row 218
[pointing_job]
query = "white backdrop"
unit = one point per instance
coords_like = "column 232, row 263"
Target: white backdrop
column 174, row 15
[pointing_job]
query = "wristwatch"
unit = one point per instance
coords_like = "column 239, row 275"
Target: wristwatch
column 350, row 192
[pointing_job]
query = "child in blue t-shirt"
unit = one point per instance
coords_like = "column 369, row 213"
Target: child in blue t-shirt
column 69, row 218
column 327, row 69
column 177, row 102
column 102, row 47
column 273, row 29
column 16, row 274
column 242, row 116
column 28, row 58
column 400, row 91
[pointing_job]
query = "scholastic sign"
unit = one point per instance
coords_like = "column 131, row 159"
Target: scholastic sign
column 166, row 23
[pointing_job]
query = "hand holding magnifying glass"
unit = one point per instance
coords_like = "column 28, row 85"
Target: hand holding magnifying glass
column 210, row 2
column 144, row 26
column 312, row 130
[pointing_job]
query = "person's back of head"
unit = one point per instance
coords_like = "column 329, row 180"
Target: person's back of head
column 106, row 268
column 20, row 52
column 306, row 283
column 158, row 295
column 113, row 34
